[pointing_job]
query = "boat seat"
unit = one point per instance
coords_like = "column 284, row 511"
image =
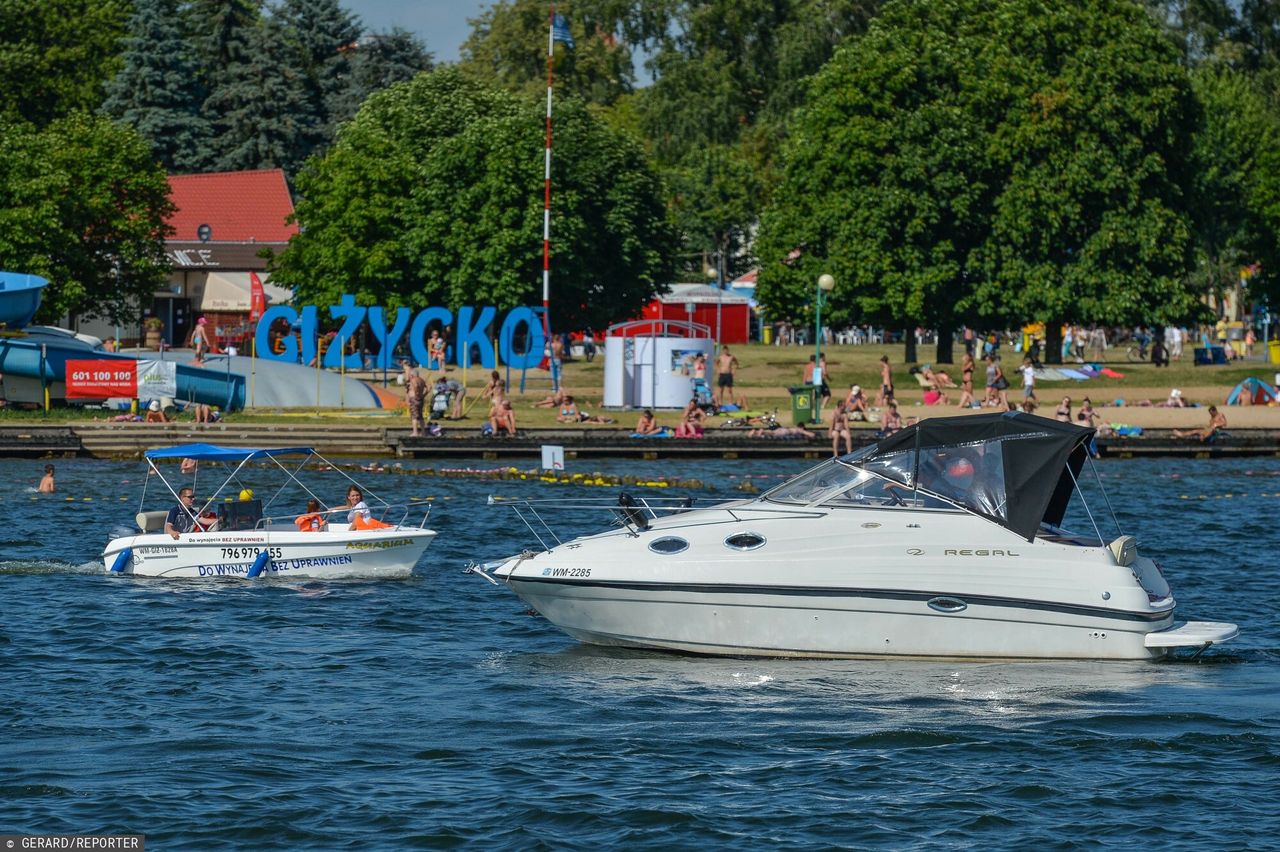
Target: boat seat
column 150, row 522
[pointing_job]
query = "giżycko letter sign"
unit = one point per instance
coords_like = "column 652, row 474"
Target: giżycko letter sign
column 471, row 334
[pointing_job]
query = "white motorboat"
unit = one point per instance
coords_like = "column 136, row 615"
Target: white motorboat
column 942, row 540
column 249, row 539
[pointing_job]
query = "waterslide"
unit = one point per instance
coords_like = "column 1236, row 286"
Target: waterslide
column 35, row 358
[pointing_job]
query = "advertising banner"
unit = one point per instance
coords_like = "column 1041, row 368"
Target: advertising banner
column 91, row 379
column 157, row 379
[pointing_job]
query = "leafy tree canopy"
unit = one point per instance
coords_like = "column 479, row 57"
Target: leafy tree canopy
column 1009, row 161
column 508, row 48
column 1236, row 193
column 85, row 208
column 55, row 55
column 433, row 195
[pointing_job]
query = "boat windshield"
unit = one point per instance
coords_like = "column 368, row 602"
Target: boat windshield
column 970, row 475
column 812, row 484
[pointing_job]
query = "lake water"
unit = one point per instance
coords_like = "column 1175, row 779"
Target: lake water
column 436, row 711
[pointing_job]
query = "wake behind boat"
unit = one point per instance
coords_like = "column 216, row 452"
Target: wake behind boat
column 249, row 538
column 942, row 540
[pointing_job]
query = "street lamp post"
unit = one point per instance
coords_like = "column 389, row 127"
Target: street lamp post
column 825, row 285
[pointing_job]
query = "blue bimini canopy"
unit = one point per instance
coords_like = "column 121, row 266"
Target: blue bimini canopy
column 212, row 452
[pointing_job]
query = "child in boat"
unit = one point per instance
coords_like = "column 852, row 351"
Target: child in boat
column 313, row 520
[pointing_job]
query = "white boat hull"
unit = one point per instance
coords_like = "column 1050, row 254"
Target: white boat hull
column 335, row 554
column 830, row 625
column 850, row 584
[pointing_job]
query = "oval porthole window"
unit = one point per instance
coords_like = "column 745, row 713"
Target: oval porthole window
column 744, row 541
column 669, row 544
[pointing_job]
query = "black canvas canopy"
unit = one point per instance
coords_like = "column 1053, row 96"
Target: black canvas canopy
column 1016, row 469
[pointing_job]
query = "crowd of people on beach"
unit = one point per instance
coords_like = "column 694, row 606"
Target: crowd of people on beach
column 980, row 382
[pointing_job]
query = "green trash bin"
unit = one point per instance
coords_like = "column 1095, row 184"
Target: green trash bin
column 804, row 404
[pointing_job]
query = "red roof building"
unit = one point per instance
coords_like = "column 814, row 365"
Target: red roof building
column 238, row 207
column 221, row 223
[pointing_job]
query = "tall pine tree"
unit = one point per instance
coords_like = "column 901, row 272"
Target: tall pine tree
column 320, row 36
column 259, row 110
column 378, row 61
column 157, row 92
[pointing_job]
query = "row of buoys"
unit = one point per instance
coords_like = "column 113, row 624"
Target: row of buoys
column 1227, row 496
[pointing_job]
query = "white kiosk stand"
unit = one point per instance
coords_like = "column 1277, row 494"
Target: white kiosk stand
column 650, row 363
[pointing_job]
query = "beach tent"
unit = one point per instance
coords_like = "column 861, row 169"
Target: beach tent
column 1258, row 392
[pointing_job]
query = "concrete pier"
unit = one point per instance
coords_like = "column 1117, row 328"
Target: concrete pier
column 330, row 438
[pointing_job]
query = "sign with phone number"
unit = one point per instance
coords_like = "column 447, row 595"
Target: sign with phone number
column 101, row 379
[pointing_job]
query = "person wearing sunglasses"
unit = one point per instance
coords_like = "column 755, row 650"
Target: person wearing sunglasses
column 181, row 517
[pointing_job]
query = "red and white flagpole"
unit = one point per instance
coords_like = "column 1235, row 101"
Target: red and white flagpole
column 546, row 200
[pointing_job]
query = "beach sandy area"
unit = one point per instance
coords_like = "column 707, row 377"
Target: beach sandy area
column 1148, row 417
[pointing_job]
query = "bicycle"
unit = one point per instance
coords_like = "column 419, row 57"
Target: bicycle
column 1138, row 352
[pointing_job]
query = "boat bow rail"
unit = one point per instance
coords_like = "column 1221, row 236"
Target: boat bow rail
column 635, row 514
column 394, row 514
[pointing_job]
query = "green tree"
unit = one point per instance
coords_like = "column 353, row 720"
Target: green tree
column 1001, row 162
column 157, row 91
column 713, row 199
column 322, row 37
column 1236, row 193
column 55, row 55
column 508, row 48
column 380, row 60
column 260, row 112
column 85, row 207
column 433, row 195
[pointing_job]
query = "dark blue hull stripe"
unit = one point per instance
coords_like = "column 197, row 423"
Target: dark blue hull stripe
column 830, row 592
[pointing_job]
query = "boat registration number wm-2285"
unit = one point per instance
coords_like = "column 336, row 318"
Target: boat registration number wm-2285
column 250, row 552
column 566, row 572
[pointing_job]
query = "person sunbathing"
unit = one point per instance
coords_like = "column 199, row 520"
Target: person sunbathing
column 554, row 401
column 938, row 378
column 1217, row 422
column 782, row 432
column 569, row 413
column 648, row 424
column 691, row 420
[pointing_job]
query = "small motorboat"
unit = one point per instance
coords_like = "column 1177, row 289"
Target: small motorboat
column 945, row 539
column 241, row 536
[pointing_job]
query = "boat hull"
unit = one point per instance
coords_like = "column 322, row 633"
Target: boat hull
column 836, row 622
column 365, row 554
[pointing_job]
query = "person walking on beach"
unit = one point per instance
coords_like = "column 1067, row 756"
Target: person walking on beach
column 416, row 397
column 46, row 485
column 885, row 396
column 726, row 363
column 200, row 341
column 966, row 382
column 1028, row 380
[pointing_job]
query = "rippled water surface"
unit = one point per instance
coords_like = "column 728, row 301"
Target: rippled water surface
column 435, row 711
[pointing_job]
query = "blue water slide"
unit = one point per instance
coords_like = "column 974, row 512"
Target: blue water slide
column 23, row 357
column 19, row 298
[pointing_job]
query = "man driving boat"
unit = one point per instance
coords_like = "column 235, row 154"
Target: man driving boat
column 180, row 520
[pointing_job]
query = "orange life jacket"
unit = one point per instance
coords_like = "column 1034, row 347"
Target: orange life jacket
column 310, row 523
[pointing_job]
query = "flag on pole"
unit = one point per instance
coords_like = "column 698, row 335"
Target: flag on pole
column 560, row 31
column 257, row 298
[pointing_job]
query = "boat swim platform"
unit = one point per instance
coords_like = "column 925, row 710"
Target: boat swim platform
column 129, row 440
